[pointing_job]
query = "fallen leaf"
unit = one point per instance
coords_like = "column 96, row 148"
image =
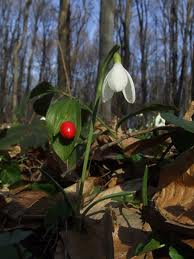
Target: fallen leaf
column 98, row 210
column 175, row 198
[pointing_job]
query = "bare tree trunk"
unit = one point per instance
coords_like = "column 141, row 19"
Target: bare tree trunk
column 31, row 55
column 182, row 96
column 165, row 23
column 16, row 57
column 126, row 31
column 43, row 58
column 107, row 8
column 64, row 45
column 142, row 11
column 21, row 72
column 173, row 48
column 192, row 75
column 5, row 52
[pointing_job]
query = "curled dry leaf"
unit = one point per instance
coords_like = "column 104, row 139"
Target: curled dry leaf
column 175, row 199
column 85, row 244
column 189, row 113
column 28, row 204
column 73, row 190
column 14, row 151
column 141, row 145
column 107, row 238
column 98, row 210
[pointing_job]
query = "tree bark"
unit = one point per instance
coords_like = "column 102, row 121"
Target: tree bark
column 64, row 46
column 183, row 96
column 142, row 12
column 192, row 75
column 126, row 31
column 107, row 8
column 173, row 48
column 33, row 45
column 17, row 48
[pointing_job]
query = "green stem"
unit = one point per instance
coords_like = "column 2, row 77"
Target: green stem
column 102, row 73
column 59, row 187
column 145, row 187
column 115, row 195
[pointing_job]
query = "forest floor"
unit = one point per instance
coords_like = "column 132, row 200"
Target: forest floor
column 154, row 219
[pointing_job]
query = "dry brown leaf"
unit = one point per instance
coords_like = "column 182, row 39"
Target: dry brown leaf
column 128, row 233
column 87, row 244
column 189, row 113
column 24, row 203
column 139, row 146
column 175, row 200
column 73, row 190
column 98, row 210
column 14, row 151
column 60, row 250
column 3, row 202
column 189, row 242
column 177, row 168
column 108, row 238
column 113, row 182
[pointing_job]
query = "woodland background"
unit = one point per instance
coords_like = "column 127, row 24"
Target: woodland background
column 39, row 36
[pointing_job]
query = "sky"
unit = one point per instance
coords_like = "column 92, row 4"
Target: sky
column 94, row 18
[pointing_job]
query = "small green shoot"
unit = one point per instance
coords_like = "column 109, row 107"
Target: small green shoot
column 145, row 187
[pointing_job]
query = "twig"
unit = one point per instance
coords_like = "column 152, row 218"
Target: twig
column 134, row 134
column 165, row 152
column 65, row 68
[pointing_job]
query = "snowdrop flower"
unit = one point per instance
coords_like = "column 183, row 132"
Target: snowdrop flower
column 117, row 80
column 159, row 121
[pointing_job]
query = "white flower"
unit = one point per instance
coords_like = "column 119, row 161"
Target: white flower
column 159, row 121
column 117, row 80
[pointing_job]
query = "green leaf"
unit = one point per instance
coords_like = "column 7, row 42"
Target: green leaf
column 148, row 108
column 42, row 104
column 120, row 157
column 66, row 109
column 21, row 109
column 28, row 136
column 126, row 199
column 47, row 187
column 13, row 252
column 10, row 175
column 36, row 135
column 8, row 252
column 41, row 89
column 111, row 196
column 59, row 211
column 174, row 254
column 13, row 237
column 171, row 118
column 182, row 140
column 153, row 244
column 45, row 92
column 136, row 157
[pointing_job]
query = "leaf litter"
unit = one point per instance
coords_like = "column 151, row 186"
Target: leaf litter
column 113, row 227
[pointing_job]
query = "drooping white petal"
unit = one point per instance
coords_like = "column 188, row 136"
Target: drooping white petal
column 117, row 78
column 107, row 93
column 129, row 91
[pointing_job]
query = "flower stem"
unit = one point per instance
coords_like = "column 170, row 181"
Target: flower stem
column 101, row 76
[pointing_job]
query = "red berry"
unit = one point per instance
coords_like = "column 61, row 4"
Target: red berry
column 68, row 130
